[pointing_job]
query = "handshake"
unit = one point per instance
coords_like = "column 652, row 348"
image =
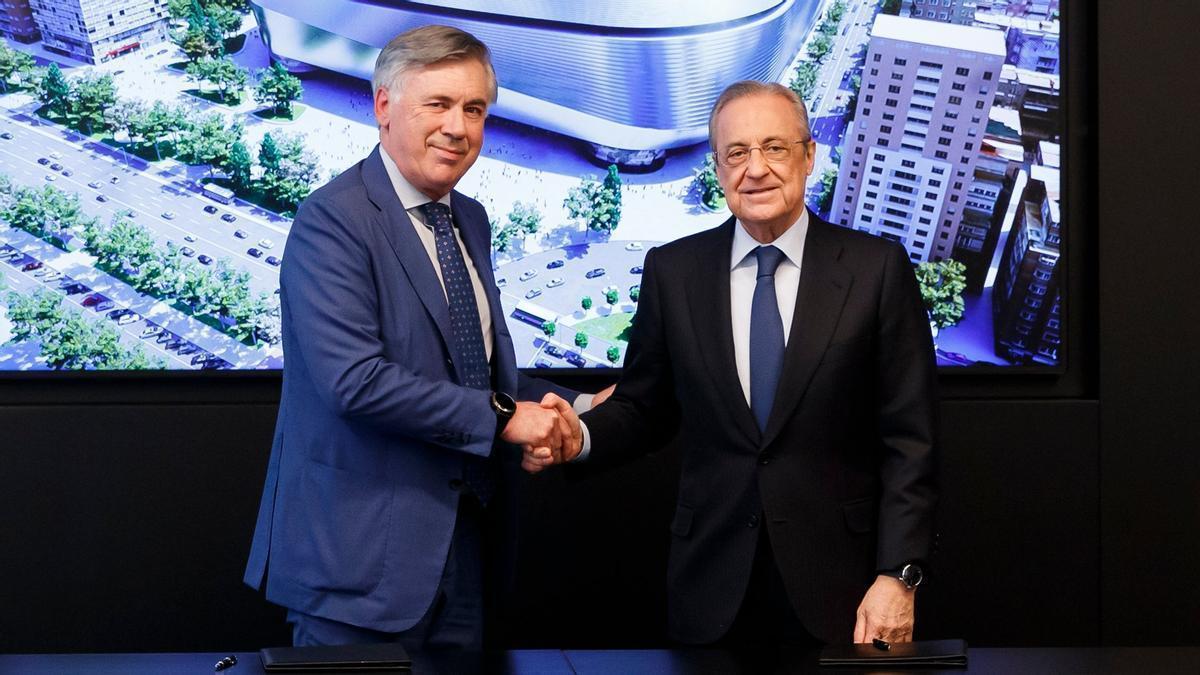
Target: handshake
column 548, row 432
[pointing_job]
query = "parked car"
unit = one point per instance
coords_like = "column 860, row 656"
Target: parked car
column 188, row 349
column 164, row 337
column 210, row 209
column 200, row 357
column 272, row 260
column 104, row 305
column 150, row 330
column 542, row 363
column 575, row 359
column 91, row 300
column 533, row 294
column 240, row 234
column 215, row 363
column 633, row 246
column 128, row 318
column 254, row 253
column 636, row 269
column 555, row 264
column 555, row 282
column 204, row 260
column 501, row 282
column 527, row 275
column 556, row 352
column 228, row 217
column 187, row 251
column 29, row 267
column 592, row 274
column 75, row 289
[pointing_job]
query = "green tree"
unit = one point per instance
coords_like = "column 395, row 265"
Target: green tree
column 278, row 88
column 942, row 284
column 94, row 94
column 238, row 165
column 611, row 296
column 549, row 328
column 502, row 235
column 706, row 185
column 828, row 186
column 820, row 47
column 804, row 80
column 635, row 292
column 268, row 154
column 613, row 355
column 55, row 92
column 581, row 340
column 525, row 218
column 597, row 204
column 586, row 302
column 889, row 7
column 289, row 170
column 227, row 76
column 12, row 62
column 209, row 142
column 227, row 19
column 33, row 314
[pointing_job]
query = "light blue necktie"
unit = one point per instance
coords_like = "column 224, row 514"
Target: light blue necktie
column 465, row 332
column 766, row 337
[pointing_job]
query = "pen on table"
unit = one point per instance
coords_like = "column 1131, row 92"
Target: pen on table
column 880, row 644
column 227, row 662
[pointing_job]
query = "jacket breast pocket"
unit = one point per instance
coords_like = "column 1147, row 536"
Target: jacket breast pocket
column 860, row 515
column 681, row 525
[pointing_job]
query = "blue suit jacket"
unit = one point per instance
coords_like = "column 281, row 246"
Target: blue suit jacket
column 358, row 510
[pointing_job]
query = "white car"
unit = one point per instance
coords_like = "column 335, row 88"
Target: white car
column 633, row 246
column 265, row 243
column 555, row 282
column 527, row 275
column 169, row 215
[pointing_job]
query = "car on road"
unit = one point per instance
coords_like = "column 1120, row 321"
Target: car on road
column 527, row 275
column 56, row 155
column 636, row 269
column 51, row 177
column 501, row 282
column 254, row 253
column 189, row 237
column 104, row 305
column 272, row 260
column 68, row 173
column 592, row 274
column 187, row 251
column 114, row 179
column 43, row 161
column 94, row 184
column 575, row 359
column 169, row 215
column 101, row 198
column 533, row 294
column 552, row 350
column 555, row 282
column 210, row 209
column 204, row 260
column 56, row 167
column 7, row 135
column 29, row 267
column 633, row 246
column 555, row 264
column 228, row 217
column 266, row 243
column 542, row 363
column 240, row 234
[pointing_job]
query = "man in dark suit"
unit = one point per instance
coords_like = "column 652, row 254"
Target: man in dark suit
column 794, row 359
column 400, row 375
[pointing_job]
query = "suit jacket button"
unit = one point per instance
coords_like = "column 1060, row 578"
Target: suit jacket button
column 456, row 484
column 752, row 521
column 764, row 460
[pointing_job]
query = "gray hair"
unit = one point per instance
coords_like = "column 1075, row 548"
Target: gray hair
column 746, row 88
column 426, row 46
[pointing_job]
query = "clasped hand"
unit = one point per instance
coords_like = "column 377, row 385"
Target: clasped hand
column 548, row 432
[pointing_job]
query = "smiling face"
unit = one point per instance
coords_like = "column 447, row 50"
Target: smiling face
column 431, row 122
column 767, row 197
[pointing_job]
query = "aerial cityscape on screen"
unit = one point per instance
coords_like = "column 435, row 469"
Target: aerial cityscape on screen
column 153, row 152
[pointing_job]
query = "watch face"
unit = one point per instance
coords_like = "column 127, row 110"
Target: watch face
column 912, row 575
column 504, row 403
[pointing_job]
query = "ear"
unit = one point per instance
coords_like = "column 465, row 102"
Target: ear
column 382, row 103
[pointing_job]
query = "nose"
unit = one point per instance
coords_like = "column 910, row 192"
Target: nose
column 454, row 122
column 756, row 164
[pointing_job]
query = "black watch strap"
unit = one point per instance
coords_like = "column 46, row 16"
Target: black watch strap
column 504, row 407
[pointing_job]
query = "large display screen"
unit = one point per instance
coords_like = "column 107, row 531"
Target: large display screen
column 153, row 153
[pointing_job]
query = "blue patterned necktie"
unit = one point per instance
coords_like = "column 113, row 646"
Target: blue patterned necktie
column 766, row 337
column 465, row 333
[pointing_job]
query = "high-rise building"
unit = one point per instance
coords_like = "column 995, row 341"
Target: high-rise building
column 1026, row 297
column 911, row 152
column 961, row 12
column 100, row 30
column 16, row 21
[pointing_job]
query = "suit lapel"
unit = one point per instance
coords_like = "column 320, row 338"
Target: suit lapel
column 708, row 297
column 406, row 245
column 824, row 285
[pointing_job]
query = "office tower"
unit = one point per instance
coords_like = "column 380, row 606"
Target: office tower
column 961, row 12
column 911, row 152
column 100, row 30
column 16, row 21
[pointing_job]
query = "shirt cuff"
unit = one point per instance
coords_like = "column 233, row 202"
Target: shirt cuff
column 587, row 444
column 583, row 403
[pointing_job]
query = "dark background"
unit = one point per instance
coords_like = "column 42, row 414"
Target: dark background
column 1071, row 507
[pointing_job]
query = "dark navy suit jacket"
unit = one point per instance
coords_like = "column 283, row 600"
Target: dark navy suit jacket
column 373, row 430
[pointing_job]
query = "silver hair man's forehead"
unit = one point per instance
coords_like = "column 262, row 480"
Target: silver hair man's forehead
column 746, row 88
column 425, row 46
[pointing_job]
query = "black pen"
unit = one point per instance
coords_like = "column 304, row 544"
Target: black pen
column 227, row 662
column 880, row 644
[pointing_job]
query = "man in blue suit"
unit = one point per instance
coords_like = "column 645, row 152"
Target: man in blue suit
column 400, row 380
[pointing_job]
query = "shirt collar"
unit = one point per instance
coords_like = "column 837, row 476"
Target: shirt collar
column 791, row 242
column 409, row 196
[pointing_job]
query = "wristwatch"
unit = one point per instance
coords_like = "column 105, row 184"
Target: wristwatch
column 505, row 407
column 911, row 575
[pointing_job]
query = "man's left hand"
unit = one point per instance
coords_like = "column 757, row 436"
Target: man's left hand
column 886, row 612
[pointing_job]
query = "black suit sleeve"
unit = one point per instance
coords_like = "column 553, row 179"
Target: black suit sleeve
column 907, row 418
column 642, row 414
